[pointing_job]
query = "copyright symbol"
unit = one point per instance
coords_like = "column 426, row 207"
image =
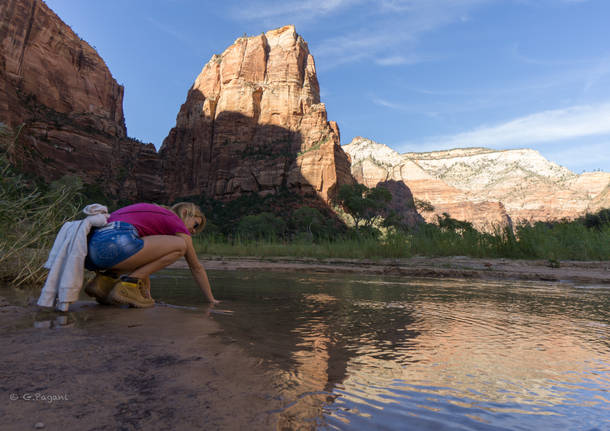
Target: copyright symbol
column 14, row 397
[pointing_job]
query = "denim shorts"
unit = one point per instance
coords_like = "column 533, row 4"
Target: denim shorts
column 112, row 244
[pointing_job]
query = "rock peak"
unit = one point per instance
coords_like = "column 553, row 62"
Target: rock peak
column 253, row 123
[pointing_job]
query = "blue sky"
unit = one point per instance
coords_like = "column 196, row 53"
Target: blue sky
column 416, row 75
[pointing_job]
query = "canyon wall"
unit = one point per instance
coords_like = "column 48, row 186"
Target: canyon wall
column 58, row 93
column 252, row 121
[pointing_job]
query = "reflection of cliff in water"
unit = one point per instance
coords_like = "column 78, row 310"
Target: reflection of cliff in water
column 366, row 350
column 315, row 329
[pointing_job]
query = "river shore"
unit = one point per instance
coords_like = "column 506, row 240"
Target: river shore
column 592, row 272
column 106, row 368
column 110, row 368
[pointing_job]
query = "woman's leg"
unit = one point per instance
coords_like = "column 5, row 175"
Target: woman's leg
column 158, row 252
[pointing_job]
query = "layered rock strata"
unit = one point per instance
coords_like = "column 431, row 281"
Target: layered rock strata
column 482, row 185
column 531, row 187
column 57, row 91
column 374, row 163
column 253, row 122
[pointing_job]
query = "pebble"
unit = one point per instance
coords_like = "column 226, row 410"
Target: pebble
column 39, row 425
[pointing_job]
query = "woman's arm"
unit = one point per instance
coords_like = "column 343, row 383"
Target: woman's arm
column 198, row 271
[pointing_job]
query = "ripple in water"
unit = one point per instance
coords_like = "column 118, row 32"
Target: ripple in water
column 360, row 353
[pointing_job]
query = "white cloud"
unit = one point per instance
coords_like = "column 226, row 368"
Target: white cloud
column 167, row 29
column 292, row 10
column 597, row 73
column 589, row 156
column 387, row 29
column 395, row 60
column 539, row 128
column 388, row 104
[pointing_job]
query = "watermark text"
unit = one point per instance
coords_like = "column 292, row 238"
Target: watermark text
column 39, row 397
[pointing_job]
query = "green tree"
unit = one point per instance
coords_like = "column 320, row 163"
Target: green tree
column 308, row 220
column 423, row 206
column 446, row 222
column 363, row 204
column 261, row 226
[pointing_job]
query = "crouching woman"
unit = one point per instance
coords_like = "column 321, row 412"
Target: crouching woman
column 139, row 240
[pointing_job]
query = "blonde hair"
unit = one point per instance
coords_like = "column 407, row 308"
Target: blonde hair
column 189, row 209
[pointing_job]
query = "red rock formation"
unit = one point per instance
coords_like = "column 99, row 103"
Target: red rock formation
column 402, row 203
column 57, row 90
column 253, row 122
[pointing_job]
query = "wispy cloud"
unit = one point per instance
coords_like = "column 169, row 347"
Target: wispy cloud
column 597, row 73
column 392, row 32
column 398, row 60
column 292, row 10
column 386, row 31
column 404, row 107
column 169, row 30
column 535, row 129
column 589, row 156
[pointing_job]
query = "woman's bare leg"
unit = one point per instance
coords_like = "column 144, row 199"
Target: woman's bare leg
column 158, row 252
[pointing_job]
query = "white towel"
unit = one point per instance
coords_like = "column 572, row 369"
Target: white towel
column 67, row 258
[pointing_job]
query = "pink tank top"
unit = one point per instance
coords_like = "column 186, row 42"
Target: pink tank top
column 149, row 219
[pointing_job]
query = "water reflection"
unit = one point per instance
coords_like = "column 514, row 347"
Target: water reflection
column 358, row 353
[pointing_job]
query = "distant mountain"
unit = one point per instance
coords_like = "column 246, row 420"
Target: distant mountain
column 521, row 182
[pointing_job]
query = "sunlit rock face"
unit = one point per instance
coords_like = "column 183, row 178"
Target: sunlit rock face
column 373, row 163
column 57, row 91
column 253, row 123
column 482, row 185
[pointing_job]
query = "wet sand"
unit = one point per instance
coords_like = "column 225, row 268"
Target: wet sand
column 593, row 272
column 108, row 368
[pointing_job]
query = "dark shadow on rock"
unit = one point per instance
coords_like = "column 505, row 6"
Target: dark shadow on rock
column 402, row 203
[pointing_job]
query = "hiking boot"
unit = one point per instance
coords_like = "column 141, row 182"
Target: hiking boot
column 130, row 290
column 100, row 287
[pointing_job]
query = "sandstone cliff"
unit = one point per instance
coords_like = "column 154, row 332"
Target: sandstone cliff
column 59, row 92
column 253, row 122
column 374, row 163
column 479, row 184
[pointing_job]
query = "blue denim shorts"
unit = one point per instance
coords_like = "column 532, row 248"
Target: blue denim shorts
column 112, row 244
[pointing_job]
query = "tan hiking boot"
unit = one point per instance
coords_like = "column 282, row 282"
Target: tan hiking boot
column 100, row 287
column 130, row 290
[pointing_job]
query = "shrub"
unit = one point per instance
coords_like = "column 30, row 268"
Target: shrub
column 30, row 216
column 261, row 226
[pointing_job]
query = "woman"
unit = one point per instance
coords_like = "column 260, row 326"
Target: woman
column 139, row 240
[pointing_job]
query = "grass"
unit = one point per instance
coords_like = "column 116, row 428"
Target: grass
column 30, row 216
column 348, row 248
column 553, row 242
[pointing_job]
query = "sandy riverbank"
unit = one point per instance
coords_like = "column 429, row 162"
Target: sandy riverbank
column 594, row 272
column 107, row 368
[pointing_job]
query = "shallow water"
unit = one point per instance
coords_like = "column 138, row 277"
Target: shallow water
column 359, row 352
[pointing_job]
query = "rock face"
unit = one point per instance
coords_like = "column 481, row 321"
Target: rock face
column 253, row 122
column 374, row 163
column 482, row 185
column 530, row 187
column 58, row 92
column 402, row 203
